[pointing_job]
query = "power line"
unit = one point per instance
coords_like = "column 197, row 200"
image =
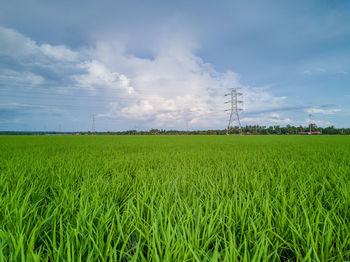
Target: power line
column 52, row 87
column 68, row 107
column 77, row 96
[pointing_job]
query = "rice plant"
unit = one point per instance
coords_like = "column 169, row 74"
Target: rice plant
column 175, row 198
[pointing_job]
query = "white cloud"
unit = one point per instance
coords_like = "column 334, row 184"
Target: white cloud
column 322, row 123
column 344, row 73
column 17, row 45
column 264, row 121
column 322, row 71
column 173, row 87
column 322, row 111
column 59, row 52
column 315, row 71
column 14, row 106
column 18, row 78
column 275, row 115
column 176, row 86
column 98, row 75
column 32, row 65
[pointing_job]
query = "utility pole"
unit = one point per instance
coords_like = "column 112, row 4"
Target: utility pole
column 93, row 124
column 310, row 123
column 235, row 108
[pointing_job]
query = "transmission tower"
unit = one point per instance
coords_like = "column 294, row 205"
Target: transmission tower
column 93, row 123
column 235, row 108
column 310, row 124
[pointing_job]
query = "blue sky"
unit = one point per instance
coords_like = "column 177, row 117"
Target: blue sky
column 168, row 64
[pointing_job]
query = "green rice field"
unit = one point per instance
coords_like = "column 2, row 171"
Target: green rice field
column 175, row 198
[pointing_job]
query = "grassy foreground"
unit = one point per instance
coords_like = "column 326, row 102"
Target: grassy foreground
column 171, row 198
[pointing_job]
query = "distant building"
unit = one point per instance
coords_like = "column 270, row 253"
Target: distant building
column 310, row 133
column 315, row 133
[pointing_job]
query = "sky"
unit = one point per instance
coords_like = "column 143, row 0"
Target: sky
column 168, row 64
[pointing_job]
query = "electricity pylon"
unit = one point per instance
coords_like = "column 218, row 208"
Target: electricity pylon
column 310, row 123
column 235, row 108
column 93, row 124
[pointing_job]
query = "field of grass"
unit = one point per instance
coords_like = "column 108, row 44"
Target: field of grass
column 175, row 198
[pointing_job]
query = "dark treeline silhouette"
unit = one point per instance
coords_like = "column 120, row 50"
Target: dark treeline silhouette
column 247, row 130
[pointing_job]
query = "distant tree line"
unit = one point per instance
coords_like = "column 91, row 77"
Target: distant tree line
column 247, row 130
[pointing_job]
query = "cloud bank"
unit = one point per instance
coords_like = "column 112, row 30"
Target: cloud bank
column 171, row 87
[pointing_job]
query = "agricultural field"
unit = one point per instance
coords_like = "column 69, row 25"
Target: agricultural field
column 174, row 198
